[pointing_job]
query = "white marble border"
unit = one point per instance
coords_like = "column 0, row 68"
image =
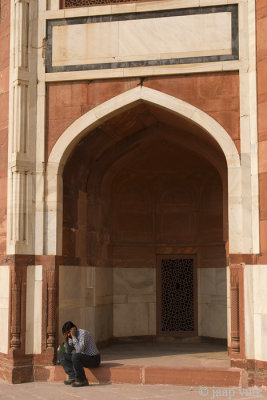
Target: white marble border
column 54, row 12
column 255, row 311
column 4, row 307
column 33, row 338
column 145, row 71
column 22, row 127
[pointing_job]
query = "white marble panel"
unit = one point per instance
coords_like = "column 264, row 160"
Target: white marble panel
column 86, row 297
column 212, row 302
column 142, row 39
column 130, row 319
column 134, row 281
column 103, row 322
column 212, row 321
column 259, row 286
column 104, row 282
column 256, row 312
column 33, row 341
column 134, row 301
column 263, row 337
column 257, row 336
column 76, row 300
column 249, row 312
column 4, row 308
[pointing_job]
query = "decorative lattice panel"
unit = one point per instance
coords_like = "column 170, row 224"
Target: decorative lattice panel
column 86, row 3
column 177, row 290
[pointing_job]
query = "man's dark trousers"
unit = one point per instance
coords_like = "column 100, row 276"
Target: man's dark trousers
column 73, row 364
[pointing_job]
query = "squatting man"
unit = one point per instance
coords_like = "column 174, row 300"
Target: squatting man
column 79, row 351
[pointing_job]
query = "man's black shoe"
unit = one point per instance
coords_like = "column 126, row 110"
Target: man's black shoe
column 80, row 383
column 69, row 381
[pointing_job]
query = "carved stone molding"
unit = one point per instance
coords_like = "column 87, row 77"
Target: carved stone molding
column 51, row 309
column 20, row 121
column 21, row 39
column 17, row 311
column 50, row 301
column 16, row 301
column 237, row 348
column 86, row 3
column 18, row 213
column 21, row 153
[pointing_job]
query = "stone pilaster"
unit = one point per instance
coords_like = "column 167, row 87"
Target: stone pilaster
column 237, row 347
column 22, row 132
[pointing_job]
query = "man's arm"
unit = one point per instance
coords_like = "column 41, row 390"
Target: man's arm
column 79, row 344
column 68, row 345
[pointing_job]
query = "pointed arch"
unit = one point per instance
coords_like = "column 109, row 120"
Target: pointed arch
column 95, row 117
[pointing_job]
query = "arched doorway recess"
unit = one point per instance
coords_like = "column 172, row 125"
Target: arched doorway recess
column 145, row 186
column 92, row 119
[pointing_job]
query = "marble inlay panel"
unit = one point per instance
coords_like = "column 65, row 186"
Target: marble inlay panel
column 145, row 39
column 212, row 302
column 170, row 37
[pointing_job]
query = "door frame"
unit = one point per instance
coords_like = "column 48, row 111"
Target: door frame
column 159, row 257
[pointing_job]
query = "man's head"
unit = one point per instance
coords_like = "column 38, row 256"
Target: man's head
column 67, row 327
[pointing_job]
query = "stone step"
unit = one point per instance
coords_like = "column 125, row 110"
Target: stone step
column 134, row 374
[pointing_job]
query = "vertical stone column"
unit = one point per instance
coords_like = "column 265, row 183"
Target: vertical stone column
column 20, row 368
column 262, row 122
column 21, row 173
column 50, row 307
column 22, row 132
column 16, row 300
column 237, row 347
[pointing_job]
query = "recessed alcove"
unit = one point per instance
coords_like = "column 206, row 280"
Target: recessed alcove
column 143, row 186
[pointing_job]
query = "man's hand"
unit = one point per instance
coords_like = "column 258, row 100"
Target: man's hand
column 73, row 332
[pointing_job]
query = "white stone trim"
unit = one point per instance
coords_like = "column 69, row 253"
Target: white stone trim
column 22, row 127
column 33, row 339
column 53, row 10
column 4, row 307
column 255, row 311
column 145, row 71
column 40, row 136
column 74, row 133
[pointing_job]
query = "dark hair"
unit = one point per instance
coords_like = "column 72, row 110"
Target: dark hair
column 67, row 326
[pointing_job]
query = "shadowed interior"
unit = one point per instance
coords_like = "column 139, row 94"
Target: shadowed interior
column 145, row 183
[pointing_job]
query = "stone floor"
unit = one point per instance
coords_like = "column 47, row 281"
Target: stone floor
column 57, row 391
column 122, row 360
column 184, row 364
column 176, row 355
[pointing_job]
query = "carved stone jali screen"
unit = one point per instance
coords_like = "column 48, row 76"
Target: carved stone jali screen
column 86, row 3
column 176, row 296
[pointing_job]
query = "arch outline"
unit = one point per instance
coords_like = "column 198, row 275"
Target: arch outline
column 93, row 118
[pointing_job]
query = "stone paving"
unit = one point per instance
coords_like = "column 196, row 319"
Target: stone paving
column 58, row 391
column 196, row 355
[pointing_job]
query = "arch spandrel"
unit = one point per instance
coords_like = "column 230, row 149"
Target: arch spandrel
column 93, row 118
